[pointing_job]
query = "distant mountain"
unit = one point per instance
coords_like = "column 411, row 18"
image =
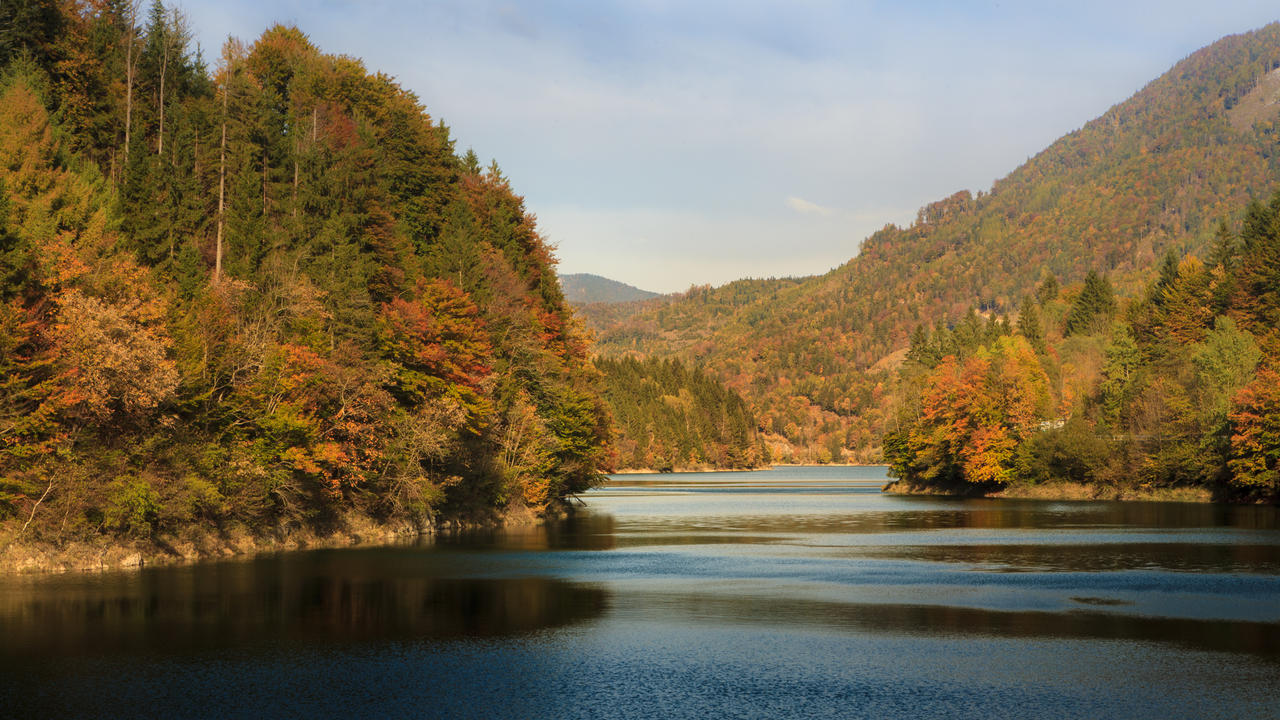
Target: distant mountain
column 816, row 356
column 585, row 288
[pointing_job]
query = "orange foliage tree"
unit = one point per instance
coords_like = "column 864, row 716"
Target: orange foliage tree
column 1255, row 438
column 972, row 415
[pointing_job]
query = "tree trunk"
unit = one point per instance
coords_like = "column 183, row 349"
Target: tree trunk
column 128, row 85
column 222, row 185
column 164, row 70
column 296, row 150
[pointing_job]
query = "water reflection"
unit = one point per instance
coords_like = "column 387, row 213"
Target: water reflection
column 1257, row 638
column 579, row 531
column 1043, row 514
column 323, row 596
column 1219, row 557
column 768, row 508
column 982, row 534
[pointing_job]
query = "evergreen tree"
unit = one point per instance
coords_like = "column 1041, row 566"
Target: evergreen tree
column 1095, row 303
column 921, row 350
column 1047, row 291
column 30, row 26
column 1029, row 324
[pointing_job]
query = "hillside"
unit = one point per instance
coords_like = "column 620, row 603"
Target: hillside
column 817, row 356
column 1169, row 394
column 263, row 302
column 585, row 288
column 668, row 417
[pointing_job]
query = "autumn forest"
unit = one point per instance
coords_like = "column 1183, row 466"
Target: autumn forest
column 263, row 295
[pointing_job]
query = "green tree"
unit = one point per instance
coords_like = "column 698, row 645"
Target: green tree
column 1030, row 326
column 1095, row 303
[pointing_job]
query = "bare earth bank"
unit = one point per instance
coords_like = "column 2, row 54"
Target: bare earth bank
column 199, row 545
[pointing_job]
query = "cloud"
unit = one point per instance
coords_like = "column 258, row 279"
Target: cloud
column 804, row 207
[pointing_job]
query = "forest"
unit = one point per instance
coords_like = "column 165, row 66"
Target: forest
column 262, row 295
column 1169, row 393
column 668, row 417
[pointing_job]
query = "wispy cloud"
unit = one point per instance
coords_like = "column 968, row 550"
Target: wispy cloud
column 804, row 207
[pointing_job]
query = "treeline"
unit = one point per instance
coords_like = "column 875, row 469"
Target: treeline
column 668, row 417
column 267, row 295
column 1177, row 387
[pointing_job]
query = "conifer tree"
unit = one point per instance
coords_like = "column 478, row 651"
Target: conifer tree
column 1029, row 324
column 1095, row 302
column 1047, row 291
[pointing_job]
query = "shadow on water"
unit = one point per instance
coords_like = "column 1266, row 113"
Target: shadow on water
column 295, row 599
column 579, row 531
column 1083, row 557
column 1256, row 638
column 927, row 513
column 1006, row 513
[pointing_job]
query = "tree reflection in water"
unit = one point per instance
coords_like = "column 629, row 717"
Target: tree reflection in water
column 295, row 598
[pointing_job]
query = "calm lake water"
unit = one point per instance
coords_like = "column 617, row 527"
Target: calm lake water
column 797, row 592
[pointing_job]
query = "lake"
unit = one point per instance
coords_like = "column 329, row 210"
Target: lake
column 795, row 592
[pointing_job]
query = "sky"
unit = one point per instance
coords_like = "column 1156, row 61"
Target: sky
column 669, row 143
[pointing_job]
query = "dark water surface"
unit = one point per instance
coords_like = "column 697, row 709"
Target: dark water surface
column 799, row 592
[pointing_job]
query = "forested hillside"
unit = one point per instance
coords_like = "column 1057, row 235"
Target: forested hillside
column 670, row 417
column 817, row 357
column 1175, row 389
column 262, row 295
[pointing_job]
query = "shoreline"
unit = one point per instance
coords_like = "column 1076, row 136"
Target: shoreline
column 1068, row 491
column 651, row 471
column 93, row 557
column 773, row 466
column 106, row 555
column 816, row 465
column 103, row 555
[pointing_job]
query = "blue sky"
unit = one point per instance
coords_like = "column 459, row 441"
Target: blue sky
column 666, row 143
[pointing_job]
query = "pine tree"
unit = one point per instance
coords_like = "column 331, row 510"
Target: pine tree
column 1047, row 291
column 1029, row 324
column 1095, row 303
